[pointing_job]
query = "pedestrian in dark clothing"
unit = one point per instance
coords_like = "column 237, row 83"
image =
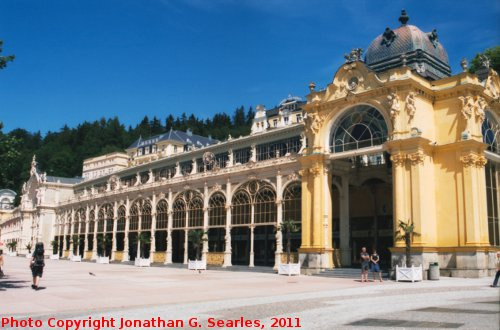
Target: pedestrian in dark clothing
column 37, row 263
column 1, row 263
column 497, row 275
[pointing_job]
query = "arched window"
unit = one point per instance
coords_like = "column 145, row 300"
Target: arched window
column 292, row 202
column 162, row 214
column 109, row 219
column 91, row 221
column 217, row 210
column 360, row 127
column 241, row 212
column 491, row 132
column 76, row 221
column 100, row 220
column 265, row 205
column 121, row 221
column 196, row 212
column 258, row 195
column 82, row 216
column 134, row 217
column 179, row 215
column 146, row 216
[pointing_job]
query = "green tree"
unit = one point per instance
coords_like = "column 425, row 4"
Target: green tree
column 5, row 59
column 493, row 55
column 288, row 227
column 197, row 237
column 405, row 232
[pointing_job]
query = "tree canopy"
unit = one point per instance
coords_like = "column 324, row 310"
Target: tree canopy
column 494, row 56
column 61, row 153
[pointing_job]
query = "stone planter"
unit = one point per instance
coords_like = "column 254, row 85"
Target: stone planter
column 289, row 269
column 54, row 257
column 102, row 260
column 411, row 274
column 197, row 264
column 140, row 262
column 76, row 258
column 28, row 256
column 12, row 254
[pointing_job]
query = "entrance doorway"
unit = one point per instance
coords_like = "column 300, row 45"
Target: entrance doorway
column 240, row 246
column 264, row 245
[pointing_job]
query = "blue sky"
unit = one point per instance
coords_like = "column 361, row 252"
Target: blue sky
column 82, row 60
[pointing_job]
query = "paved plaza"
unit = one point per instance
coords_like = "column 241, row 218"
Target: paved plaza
column 82, row 290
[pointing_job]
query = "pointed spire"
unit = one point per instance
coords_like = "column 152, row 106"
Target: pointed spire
column 403, row 18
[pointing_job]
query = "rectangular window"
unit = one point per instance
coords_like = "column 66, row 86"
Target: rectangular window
column 286, row 120
column 299, row 118
column 275, row 123
column 242, row 156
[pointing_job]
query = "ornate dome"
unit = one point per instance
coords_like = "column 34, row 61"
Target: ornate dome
column 408, row 45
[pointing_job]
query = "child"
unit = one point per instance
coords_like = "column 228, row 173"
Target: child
column 375, row 266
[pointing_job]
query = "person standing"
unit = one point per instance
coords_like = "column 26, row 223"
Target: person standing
column 1, row 263
column 375, row 267
column 497, row 275
column 37, row 264
column 365, row 264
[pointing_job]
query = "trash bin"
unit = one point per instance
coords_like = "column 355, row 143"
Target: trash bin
column 433, row 271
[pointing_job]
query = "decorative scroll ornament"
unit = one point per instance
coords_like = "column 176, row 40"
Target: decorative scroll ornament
column 410, row 105
column 473, row 159
column 472, row 110
column 292, row 176
column 303, row 172
column 416, row 158
column 216, row 187
column 208, row 158
column 315, row 171
column 398, row 159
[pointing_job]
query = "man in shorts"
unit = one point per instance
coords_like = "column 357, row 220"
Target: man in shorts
column 365, row 264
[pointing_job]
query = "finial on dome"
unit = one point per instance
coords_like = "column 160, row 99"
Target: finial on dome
column 403, row 18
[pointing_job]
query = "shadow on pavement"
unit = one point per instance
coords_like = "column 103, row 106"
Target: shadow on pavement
column 12, row 284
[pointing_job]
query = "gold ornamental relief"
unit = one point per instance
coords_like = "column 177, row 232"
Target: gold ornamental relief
column 313, row 122
column 473, row 159
column 398, row 159
column 416, row 158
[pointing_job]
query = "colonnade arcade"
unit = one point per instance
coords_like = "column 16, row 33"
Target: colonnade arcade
column 240, row 223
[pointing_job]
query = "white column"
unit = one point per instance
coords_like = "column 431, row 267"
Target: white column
column 205, row 223
column 194, row 166
column 253, row 153
column 230, row 158
column 227, row 250
column 87, row 216
column 115, row 220
column 79, row 231
column 71, row 231
column 327, row 231
column 279, row 220
column 94, row 246
column 139, row 231
column 251, row 263
column 168, row 254
column 127, row 225
column 186, row 236
column 345, row 248
column 152, row 250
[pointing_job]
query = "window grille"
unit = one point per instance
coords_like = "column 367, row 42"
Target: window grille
column 120, row 225
column 146, row 215
column 242, row 156
column 217, row 210
column 162, row 214
column 292, row 202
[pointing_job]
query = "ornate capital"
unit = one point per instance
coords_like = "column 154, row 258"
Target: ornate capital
column 315, row 171
column 398, row 159
column 473, row 159
column 303, row 172
column 416, row 158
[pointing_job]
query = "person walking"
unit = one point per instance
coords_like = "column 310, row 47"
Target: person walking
column 497, row 275
column 375, row 267
column 37, row 263
column 365, row 264
column 1, row 263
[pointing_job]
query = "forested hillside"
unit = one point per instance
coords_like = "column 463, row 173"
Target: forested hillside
column 61, row 153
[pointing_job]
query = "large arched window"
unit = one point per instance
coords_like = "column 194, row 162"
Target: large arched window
column 162, row 214
column 120, row 225
column 257, row 195
column 491, row 132
column 91, row 221
column 292, row 202
column 134, row 218
column 179, row 213
column 146, row 218
column 359, row 127
column 217, row 210
column 196, row 212
column 81, row 215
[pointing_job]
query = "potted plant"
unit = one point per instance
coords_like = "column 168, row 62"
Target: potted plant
column 12, row 248
column 289, row 227
column 55, row 248
column 143, row 240
column 405, row 232
column 75, row 256
column 102, row 242
column 197, row 238
column 28, row 247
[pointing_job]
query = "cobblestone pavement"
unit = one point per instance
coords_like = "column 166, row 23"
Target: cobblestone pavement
column 123, row 291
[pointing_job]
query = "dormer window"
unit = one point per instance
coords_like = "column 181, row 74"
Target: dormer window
column 153, row 149
column 146, row 150
column 139, row 152
column 175, row 149
column 299, row 118
column 286, row 120
column 275, row 123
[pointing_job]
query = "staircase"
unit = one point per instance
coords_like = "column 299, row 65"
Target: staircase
column 351, row 273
